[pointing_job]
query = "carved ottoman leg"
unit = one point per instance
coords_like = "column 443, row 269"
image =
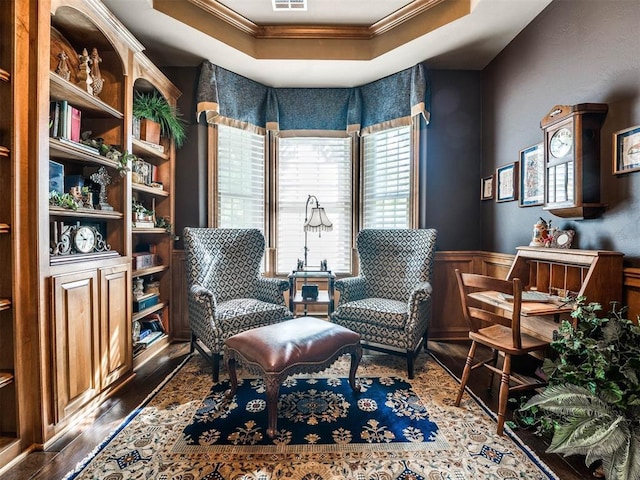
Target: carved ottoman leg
column 272, row 385
column 233, row 378
column 356, row 355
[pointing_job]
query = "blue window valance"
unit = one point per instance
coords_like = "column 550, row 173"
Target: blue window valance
column 231, row 99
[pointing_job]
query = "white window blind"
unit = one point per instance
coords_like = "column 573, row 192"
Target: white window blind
column 241, row 179
column 320, row 167
column 386, row 179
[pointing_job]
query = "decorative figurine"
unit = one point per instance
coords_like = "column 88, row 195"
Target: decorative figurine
column 138, row 287
column 84, row 72
column 96, row 76
column 542, row 234
column 102, row 178
column 63, row 67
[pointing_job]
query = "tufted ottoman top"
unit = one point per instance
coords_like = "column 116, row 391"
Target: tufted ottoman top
column 306, row 340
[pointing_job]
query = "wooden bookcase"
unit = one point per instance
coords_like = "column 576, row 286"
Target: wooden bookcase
column 157, row 195
column 85, row 313
column 18, row 328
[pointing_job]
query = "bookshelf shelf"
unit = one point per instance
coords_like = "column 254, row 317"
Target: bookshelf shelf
column 85, row 213
column 5, row 304
column 68, row 150
column 6, row 378
column 141, row 149
column 154, row 231
column 5, row 228
column 159, row 192
column 150, row 351
column 148, row 311
column 61, row 89
column 149, row 271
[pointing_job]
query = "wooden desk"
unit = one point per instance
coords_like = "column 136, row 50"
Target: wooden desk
column 538, row 319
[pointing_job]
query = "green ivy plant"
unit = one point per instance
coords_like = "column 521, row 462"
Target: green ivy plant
column 64, row 200
column 592, row 403
column 155, row 107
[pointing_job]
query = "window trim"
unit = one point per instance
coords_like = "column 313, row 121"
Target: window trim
column 414, row 175
column 271, row 194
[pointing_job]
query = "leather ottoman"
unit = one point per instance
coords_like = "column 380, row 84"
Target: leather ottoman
column 301, row 345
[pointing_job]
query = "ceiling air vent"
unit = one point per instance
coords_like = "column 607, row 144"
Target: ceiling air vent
column 300, row 5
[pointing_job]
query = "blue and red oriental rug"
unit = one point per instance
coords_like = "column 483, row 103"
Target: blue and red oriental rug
column 393, row 428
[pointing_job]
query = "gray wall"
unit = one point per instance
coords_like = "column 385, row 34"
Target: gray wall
column 191, row 159
column 453, row 150
column 575, row 51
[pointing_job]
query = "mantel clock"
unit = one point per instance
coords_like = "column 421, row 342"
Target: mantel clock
column 572, row 160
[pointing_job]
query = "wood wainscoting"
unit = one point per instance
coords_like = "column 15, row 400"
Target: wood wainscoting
column 447, row 322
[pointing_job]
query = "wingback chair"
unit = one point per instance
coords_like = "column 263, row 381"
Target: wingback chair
column 389, row 303
column 226, row 293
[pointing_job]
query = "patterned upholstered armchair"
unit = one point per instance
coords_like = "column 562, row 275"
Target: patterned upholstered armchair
column 226, row 293
column 389, row 303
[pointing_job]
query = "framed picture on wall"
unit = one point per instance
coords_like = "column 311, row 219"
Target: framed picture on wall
column 626, row 150
column 507, row 183
column 487, row 188
column 532, row 176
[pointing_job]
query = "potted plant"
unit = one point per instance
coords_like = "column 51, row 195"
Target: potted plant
column 154, row 107
column 592, row 402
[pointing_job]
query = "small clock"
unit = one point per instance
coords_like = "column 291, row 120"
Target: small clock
column 84, row 239
column 561, row 142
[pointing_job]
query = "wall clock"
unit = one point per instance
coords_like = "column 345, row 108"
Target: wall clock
column 572, row 160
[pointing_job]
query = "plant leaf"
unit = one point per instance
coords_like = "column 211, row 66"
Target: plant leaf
column 590, row 435
column 624, row 463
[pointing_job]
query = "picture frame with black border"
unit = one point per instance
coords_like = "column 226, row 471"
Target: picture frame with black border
column 487, row 187
column 532, row 175
column 626, row 150
column 507, row 182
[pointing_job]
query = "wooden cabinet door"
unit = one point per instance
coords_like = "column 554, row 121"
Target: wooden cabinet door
column 76, row 360
column 115, row 324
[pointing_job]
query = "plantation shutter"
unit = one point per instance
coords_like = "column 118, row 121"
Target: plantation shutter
column 319, row 167
column 386, row 178
column 240, row 178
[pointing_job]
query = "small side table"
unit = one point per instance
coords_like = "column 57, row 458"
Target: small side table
column 297, row 278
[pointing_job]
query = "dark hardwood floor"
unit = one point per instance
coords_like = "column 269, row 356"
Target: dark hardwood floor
column 62, row 456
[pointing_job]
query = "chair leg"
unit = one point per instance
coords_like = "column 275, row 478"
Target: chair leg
column 466, row 372
column 410, row 365
column 192, row 347
column 504, row 392
column 494, row 362
column 215, row 363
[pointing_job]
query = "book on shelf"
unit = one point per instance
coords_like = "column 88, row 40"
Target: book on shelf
column 81, row 146
column 74, row 124
column 65, row 120
column 144, row 224
column 150, row 338
column 154, row 146
column 153, row 323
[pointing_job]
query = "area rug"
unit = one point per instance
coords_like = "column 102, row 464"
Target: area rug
column 393, row 429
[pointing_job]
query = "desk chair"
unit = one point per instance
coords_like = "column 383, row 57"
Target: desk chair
column 498, row 330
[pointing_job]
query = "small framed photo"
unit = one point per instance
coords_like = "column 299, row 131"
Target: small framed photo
column 532, row 176
column 487, row 188
column 626, row 150
column 507, row 180
column 56, row 177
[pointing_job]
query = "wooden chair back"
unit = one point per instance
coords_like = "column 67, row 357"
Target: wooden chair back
column 479, row 315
